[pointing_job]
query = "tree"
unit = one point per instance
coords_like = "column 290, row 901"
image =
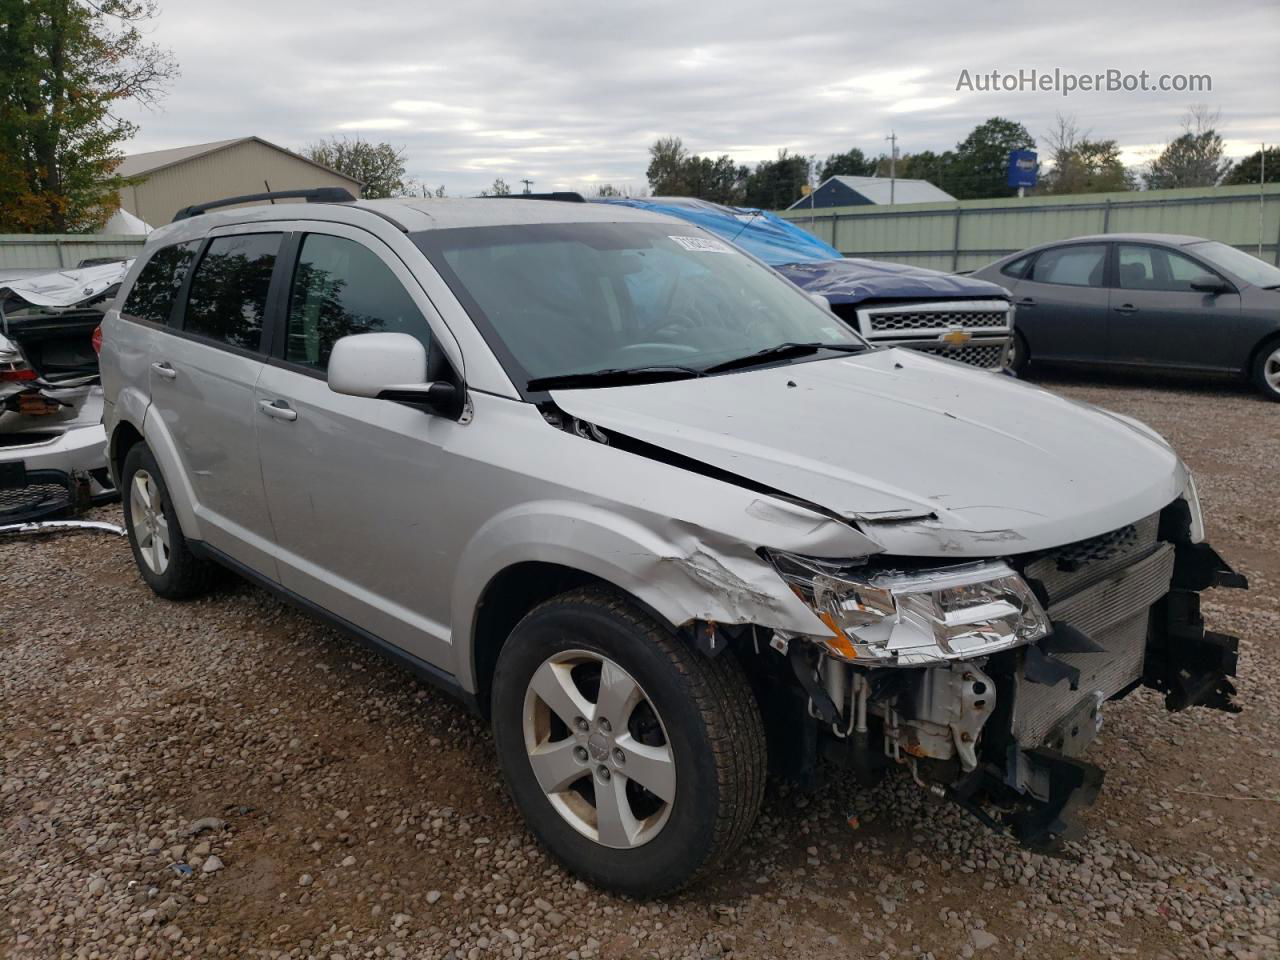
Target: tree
column 1249, row 170
column 935, row 168
column 1194, row 159
column 378, row 166
column 1081, row 165
column 499, row 189
column 981, row 164
column 65, row 65
column 673, row 172
column 776, row 184
column 666, row 169
column 852, row 163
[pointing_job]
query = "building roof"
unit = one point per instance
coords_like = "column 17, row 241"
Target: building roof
column 140, row 164
column 876, row 190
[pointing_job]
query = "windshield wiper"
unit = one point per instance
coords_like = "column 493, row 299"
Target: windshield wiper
column 614, row 376
column 782, row 351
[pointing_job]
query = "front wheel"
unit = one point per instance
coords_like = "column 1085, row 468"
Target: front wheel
column 1266, row 370
column 1018, row 355
column 639, row 763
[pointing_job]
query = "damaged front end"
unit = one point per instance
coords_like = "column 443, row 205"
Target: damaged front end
column 995, row 708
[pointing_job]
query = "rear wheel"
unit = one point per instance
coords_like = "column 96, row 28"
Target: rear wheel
column 637, row 762
column 160, row 550
column 1266, row 369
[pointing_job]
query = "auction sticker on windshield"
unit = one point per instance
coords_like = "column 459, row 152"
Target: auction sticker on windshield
column 702, row 244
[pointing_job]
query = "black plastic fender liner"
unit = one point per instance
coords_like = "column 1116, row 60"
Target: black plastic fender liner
column 1190, row 665
column 1043, row 826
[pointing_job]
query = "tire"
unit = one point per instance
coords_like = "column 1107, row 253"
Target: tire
column 1019, row 354
column 160, row 550
column 697, row 713
column 1266, row 369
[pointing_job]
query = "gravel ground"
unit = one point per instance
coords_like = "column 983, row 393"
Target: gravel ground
column 226, row 778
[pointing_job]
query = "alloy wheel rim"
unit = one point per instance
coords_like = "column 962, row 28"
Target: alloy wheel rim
column 598, row 749
column 1271, row 370
column 150, row 528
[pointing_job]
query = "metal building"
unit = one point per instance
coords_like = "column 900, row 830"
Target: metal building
column 867, row 191
column 176, row 178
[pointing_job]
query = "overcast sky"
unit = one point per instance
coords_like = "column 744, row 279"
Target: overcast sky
column 572, row 94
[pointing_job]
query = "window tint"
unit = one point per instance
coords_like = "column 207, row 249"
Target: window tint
column 340, row 287
column 153, row 292
column 1018, row 267
column 1078, row 266
column 1154, row 268
column 229, row 290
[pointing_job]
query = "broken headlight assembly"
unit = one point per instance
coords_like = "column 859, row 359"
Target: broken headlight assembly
column 910, row 618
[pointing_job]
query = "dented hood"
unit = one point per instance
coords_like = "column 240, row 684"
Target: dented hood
column 856, row 281
column 929, row 457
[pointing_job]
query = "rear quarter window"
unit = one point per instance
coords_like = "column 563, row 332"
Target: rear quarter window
column 153, row 293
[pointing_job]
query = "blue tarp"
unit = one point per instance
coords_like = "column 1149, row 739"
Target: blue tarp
column 759, row 232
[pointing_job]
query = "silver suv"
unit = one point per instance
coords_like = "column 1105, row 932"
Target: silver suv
column 660, row 517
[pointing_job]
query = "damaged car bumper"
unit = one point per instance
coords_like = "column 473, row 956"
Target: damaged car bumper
column 1004, row 734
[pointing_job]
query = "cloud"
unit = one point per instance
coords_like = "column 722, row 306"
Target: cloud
column 568, row 93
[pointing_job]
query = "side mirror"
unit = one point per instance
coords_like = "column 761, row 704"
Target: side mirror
column 390, row 366
column 1208, row 284
column 821, row 301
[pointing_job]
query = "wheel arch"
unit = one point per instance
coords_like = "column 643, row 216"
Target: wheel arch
column 1267, row 342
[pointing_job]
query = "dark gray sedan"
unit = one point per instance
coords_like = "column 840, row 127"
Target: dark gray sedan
column 1152, row 300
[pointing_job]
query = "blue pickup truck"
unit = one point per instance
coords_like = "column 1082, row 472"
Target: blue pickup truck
column 956, row 317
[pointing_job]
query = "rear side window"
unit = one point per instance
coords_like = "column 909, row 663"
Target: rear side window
column 228, row 295
column 340, row 287
column 153, row 293
column 1076, row 266
column 1018, row 267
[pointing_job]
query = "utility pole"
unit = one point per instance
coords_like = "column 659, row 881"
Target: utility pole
column 893, row 163
column 1262, row 195
column 527, row 184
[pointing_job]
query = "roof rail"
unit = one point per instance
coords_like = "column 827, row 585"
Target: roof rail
column 311, row 195
column 565, row 196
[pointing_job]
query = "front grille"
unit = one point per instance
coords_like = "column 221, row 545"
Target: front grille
column 1104, row 587
column 980, row 355
column 891, row 321
column 34, row 500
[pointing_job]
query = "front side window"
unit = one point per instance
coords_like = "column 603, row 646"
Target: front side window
column 153, row 293
column 572, row 298
column 1244, row 265
column 340, row 287
column 228, row 297
column 1077, row 266
column 1155, row 268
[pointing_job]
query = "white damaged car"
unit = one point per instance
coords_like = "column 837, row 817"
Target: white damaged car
column 663, row 520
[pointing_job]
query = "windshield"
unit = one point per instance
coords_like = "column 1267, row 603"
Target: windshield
column 574, row 298
column 1244, row 265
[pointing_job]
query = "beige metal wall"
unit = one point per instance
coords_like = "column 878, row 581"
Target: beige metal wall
column 244, row 168
column 18, row 250
column 966, row 234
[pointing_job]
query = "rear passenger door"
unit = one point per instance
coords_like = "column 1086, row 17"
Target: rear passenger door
column 1062, row 303
column 202, row 376
column 359, row 491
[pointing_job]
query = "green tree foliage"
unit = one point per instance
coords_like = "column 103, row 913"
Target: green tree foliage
column 65, row 66
column 674, row 172
column 775, row 184
column 499, row 189
column 852, row 163
column 378, row 166
column 1193, row 159
column 980, row 166
column 1250, row 169
column 1079, row 164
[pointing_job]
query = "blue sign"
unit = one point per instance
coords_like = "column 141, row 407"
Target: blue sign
column 1023, row 168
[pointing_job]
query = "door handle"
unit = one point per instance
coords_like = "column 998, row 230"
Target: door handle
column 1026, row 302
column 163, row 369
column 1126, row 308
column 278, row 410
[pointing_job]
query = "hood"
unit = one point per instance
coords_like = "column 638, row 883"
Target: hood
column 928, row 457
column 854, row 281
column 64, row 288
